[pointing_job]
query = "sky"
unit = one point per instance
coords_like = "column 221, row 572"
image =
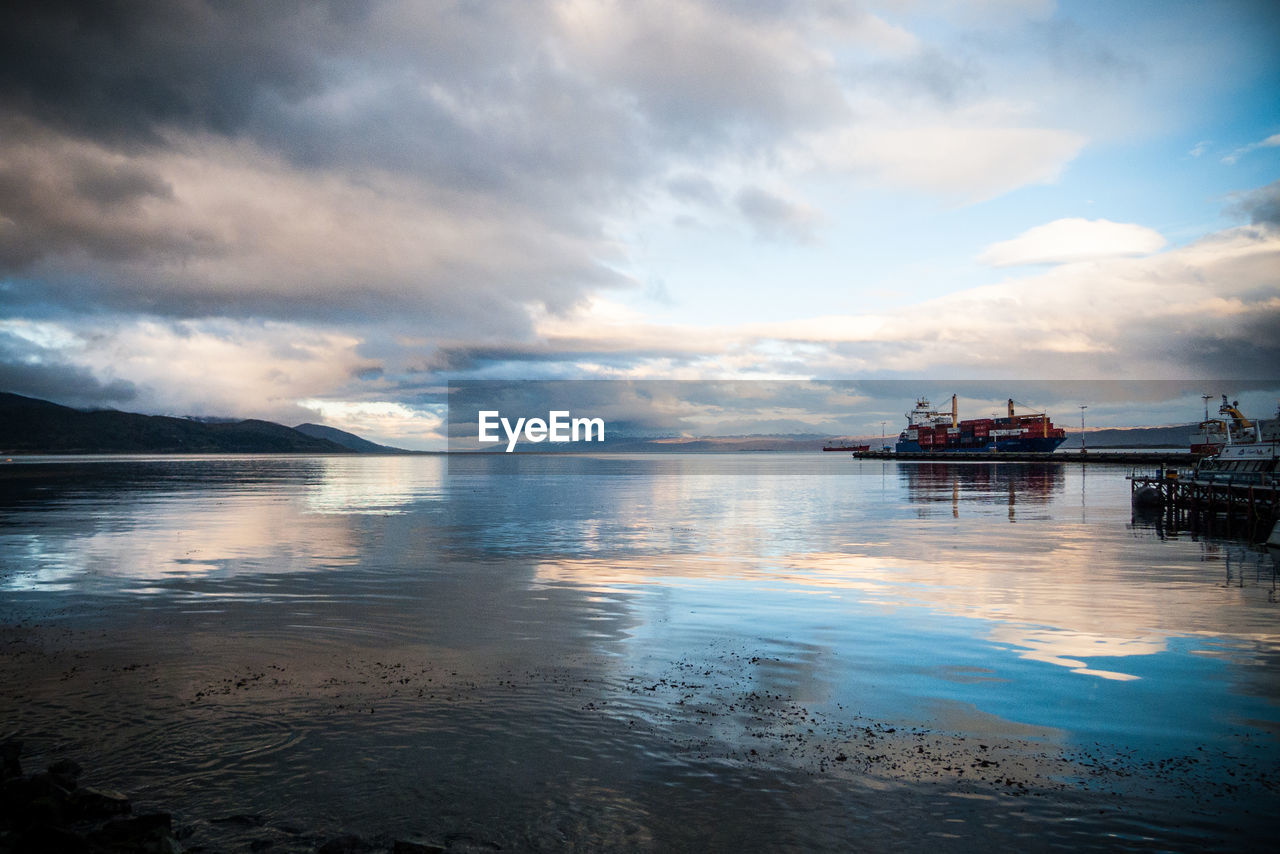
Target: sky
column 326, row 212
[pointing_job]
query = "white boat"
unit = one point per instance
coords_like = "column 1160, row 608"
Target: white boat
column 1212, row 435
column 1256, row 463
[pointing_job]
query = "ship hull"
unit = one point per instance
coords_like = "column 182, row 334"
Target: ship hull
column 1013, row 445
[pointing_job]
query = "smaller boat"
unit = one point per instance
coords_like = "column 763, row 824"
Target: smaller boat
column 1210, row 436
column 1254, row 464
column 1251, row 456
column 1214, row 434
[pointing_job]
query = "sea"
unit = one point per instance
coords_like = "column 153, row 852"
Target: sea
column 650, row 652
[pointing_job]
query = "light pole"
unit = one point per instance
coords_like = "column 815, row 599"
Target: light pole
column 1083, row 407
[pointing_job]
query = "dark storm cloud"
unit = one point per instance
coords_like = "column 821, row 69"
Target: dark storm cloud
column 445, row 166
column 552, row 359
column 28, row 370
column 1249, row 350
column 370, row 83
column 64, row 384
column 58, row 197
column 121, row 70
column 1260, row 206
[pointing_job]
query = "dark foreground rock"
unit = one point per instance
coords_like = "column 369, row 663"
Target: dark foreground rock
column 49, row 812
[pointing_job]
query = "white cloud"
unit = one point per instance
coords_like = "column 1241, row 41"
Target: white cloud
column 1270, row 142
column 385, row 422
column 210, row 367
column 1073, row 239
column 966, row 162
column 1202, row 309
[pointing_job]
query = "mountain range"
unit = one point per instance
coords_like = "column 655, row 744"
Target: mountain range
column 32, row 426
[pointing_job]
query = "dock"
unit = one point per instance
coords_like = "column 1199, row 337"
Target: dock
column 1137, row 458
column 1244, row 505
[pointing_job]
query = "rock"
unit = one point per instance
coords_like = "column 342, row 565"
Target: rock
column 35, row 799
column 404, row 846
column 348, row 844
column 99, row 803
column 10, row 750
column 66, row 767
column 49, row 839
column 66, row 772
column 151, row 833
column 41, row 785
column 239, row 820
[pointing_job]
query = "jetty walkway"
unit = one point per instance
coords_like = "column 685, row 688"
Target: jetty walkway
column 1135, row 458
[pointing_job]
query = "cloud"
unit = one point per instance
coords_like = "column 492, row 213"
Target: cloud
column 212, row 367
column 1211, row 308
column 381, row 421
column 698, row 189
column 210, row 227
column 774, row 218
column 702, row 74
column 1177, row 313
column 371, row 197
column 1066, row 241
column 447, row 169
column 64, row 384
column 967, row 162
column 1260, row 206
column 1234, row 157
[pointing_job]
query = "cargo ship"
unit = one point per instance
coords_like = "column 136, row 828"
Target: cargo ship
column 931, row 431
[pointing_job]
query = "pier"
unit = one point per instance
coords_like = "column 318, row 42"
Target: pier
column 1143, row 458
column 1239, row 506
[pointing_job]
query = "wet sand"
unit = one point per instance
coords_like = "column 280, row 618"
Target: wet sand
column 977, row 782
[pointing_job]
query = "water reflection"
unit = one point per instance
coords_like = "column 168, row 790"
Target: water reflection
column 982, row 483
column 597, row 633
column 390, row 484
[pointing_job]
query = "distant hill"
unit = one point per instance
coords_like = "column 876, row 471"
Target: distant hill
column 347, row 440
column 29, row 425
column 716, row 444
column 1178, row 436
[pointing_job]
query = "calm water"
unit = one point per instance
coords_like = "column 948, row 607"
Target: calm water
column 741, row 652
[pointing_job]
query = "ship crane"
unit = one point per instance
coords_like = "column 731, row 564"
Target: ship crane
column 1233, row 409
column 1044, row 416
column 1023, row 405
